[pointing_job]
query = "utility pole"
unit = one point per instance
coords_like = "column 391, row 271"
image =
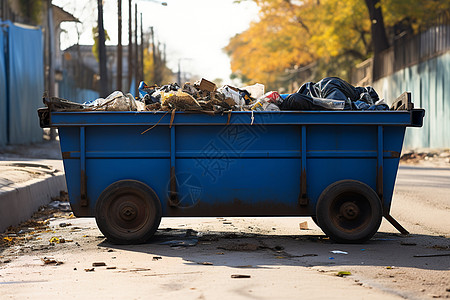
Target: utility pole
column 142, row 51
column 51, row 59
column 179, row 72
column 102, row 52
column 155, row 74
column 119, row 45
column 136, row 52
column 130, row 48
column 51, row 47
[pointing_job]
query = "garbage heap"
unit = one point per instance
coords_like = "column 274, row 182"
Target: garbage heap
column 330, row 93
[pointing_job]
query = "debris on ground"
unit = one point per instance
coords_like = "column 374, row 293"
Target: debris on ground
column 38, row 223
column 343, row 273
column 338, row 252
column 304, row 226
column 441, row 156
column 51, row 261
column 240, row 276
column 99, row 264
column 57, row 240
column 241, row 247
column 432, row 255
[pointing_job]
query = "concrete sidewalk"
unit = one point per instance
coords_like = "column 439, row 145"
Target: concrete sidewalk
column 29, row 177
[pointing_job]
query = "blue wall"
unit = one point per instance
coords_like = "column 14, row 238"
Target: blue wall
column 3, row 107
column 429, row 83
column 68, row 90
column 23, row 59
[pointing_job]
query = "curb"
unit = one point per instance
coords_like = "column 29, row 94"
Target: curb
column 18, row 205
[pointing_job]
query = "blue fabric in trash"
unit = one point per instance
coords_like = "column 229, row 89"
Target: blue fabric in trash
column 356, row 98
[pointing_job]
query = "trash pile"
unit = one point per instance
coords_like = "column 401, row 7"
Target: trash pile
column 330, row 93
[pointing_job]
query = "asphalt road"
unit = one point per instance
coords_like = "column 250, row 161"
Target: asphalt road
column 276, row 259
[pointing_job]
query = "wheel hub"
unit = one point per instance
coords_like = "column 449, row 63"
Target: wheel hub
column 128, row 212
column 350, row 210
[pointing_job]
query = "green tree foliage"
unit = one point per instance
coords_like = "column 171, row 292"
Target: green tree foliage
column 334, row 35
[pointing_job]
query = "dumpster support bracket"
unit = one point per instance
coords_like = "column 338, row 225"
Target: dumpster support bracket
column 83, row 189
column 303, row 198
column 380, row 182
column 173, row 195
column 396, row 224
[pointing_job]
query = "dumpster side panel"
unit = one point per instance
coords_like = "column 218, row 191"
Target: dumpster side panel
column 229, row 170
column 106, row 154
column 247, row 187
column 340, row 152
column 152, row 172
column 238, row 170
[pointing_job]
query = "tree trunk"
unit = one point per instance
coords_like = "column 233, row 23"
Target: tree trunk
column 130, row 49
column 119, row 45
column 379, row 38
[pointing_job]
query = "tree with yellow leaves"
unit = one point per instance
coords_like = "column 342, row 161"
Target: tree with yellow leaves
column 333, row 36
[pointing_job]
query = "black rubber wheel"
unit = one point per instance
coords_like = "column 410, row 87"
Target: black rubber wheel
column 314, row 218
column 128, row 212
column 349, row 211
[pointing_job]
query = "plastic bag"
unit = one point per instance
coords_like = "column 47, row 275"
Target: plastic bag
column 116, row 101
column 263, row 105
column 256, row 91
column 272, row 97
column 231, row 93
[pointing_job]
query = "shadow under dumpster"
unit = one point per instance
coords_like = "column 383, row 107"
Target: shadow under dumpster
column 270, row 249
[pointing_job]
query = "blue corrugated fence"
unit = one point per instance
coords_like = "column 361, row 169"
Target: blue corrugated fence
column 21, row 95
column 3, row 124
column 430, row 87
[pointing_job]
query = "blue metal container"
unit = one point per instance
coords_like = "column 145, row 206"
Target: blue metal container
column 129, row 169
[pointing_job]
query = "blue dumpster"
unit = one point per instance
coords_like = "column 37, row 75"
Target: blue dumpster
column 129, row 169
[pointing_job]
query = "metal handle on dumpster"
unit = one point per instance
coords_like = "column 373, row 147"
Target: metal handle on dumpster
column 173, row 195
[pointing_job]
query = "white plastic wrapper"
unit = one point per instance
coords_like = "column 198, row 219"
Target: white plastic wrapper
column 117, row 101
column 230, row 93
column 272, row 97
column 256, row 90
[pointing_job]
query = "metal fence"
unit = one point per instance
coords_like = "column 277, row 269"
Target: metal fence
column 22, row 83
column 412, row 50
